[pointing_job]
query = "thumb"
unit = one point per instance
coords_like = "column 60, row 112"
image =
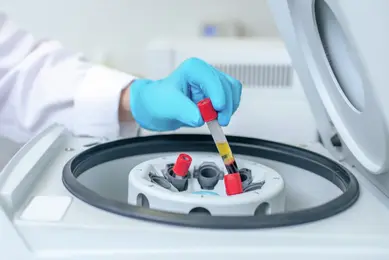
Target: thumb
column 184, row 110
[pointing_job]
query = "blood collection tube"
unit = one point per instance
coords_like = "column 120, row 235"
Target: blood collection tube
column 182, row 165
column 232, row 180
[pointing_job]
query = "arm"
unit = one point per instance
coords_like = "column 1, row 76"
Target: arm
column 42, row 83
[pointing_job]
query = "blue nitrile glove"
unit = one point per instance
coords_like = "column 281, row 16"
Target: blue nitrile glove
column 171, row 103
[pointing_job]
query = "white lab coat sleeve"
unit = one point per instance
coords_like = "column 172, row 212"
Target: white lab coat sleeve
column 42, row 83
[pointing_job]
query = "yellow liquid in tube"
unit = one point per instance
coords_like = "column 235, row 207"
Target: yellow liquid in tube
column 228, row 159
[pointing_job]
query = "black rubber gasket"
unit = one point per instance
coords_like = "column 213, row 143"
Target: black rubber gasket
column 313, row 162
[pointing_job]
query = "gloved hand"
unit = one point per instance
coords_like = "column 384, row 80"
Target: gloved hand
column 171, row 103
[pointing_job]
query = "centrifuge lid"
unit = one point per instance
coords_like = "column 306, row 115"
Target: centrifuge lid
column 342, row 70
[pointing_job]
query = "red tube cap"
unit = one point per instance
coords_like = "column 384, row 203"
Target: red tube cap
column 207, row 111
column 233, row 184
column 182, row 165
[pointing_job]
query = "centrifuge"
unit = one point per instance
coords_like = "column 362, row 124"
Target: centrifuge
column 164, row 196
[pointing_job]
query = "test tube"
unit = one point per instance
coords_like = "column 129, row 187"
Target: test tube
column 232, row 180
column 178, row 174
column 182, row 165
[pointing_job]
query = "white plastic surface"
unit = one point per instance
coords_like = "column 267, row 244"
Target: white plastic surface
column 46, row 208
column 271, row 194
column 340, row 52
column 87, row 233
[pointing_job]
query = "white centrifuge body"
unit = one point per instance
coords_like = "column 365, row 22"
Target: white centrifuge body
column 41, row 219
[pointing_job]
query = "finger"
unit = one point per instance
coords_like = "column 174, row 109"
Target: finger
column 202, row 75
column 182, row 109
column 196, row 93
column 224, row 116
column 236, row 88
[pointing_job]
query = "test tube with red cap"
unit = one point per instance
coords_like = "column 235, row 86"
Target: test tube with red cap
column 182, row 165
column 232, row 180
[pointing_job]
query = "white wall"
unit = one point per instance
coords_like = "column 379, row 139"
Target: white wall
column 119, row 29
